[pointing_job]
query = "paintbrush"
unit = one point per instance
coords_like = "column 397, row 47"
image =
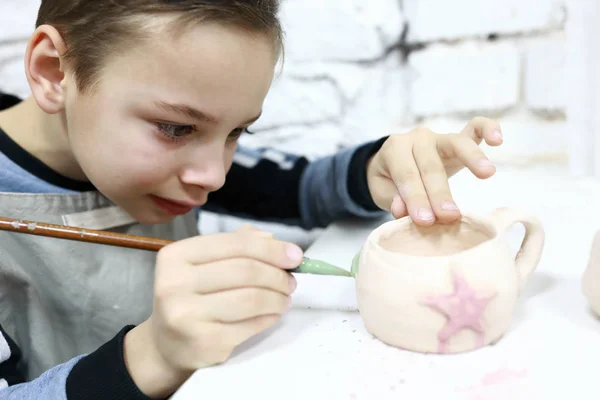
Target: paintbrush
column 308, row 266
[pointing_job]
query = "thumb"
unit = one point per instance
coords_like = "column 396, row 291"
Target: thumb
column 398, row 207
column 386, row 196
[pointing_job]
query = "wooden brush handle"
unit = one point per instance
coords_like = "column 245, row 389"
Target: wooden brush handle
column 308, row 266
column 82, row 235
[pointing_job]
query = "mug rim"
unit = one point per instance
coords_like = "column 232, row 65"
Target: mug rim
column 375, row 235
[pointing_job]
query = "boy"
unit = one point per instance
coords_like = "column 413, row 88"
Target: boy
column 133, row 121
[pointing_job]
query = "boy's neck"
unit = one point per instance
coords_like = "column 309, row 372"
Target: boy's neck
column 42, row 135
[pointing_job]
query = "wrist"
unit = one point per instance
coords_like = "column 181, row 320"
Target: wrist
column 147, row 368
column 358, row 174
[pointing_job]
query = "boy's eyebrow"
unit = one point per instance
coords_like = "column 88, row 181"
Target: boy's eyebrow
column 195, row 113
column 187, row 111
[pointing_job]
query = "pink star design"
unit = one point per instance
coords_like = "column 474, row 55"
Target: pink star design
column 463, row 309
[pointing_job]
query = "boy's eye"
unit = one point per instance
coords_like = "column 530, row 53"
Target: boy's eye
column 175, row 132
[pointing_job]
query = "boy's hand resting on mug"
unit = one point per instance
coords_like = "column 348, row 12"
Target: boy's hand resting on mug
column 409, row 174
column 211, row 294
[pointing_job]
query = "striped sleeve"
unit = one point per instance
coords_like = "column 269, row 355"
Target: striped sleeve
column 99, row 375
column 10, row 356
column 51, row 385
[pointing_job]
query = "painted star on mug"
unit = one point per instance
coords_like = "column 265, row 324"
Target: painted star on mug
column 463, row 309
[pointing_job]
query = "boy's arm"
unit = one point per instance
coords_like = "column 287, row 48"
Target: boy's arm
column 10, row 356
column 99, row 375
column 270, row 185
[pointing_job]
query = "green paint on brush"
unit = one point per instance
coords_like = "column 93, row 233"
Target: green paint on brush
column 318, row 267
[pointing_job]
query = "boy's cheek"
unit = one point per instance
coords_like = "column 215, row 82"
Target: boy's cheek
column 119, row 174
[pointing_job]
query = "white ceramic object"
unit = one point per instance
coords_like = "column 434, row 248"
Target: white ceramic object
column 448, row 288
column 591, row 277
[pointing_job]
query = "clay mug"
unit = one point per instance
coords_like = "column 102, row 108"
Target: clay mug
column 590, row 283
column 447, row 288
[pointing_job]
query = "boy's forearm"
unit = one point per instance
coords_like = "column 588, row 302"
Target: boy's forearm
column 103, row 374
column 294, row 191
column 356, row 180
column 147, row 368
column 335, row 187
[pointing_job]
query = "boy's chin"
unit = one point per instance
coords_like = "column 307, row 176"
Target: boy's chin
column 155, row 218
column 149, row 216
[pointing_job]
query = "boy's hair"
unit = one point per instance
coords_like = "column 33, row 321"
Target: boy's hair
column 95, row 29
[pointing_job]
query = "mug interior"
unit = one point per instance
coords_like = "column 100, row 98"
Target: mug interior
column 406, row 238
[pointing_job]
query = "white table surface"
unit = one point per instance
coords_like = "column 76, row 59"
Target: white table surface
column 321, row 350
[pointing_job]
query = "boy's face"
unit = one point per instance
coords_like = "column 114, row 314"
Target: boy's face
column 160, row 131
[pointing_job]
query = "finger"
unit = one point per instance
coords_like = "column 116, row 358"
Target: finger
column 407, row 178
column 241, row 273
column 435, row 180
column 398, row 208
column 241, row 304
column 247, row 228
column 481, row 128
column 221, row 246
column 472, row 156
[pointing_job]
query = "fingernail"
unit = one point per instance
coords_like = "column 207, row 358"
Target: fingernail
column 484, row 162
column 497, row 134
column 293, row 284
column 294, row 253
column 425, row 214
column 449, row 206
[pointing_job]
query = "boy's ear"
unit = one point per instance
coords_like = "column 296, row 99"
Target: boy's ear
column 44, row 67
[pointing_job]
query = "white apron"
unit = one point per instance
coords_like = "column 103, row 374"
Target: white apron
column 61, row 298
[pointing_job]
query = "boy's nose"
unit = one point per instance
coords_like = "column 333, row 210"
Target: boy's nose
column 208, row 172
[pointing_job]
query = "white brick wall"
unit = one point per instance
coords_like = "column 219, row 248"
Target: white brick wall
column 352, row 75
column 314, row 29
column 465, row 78
column 433, row 20
column 501, row 58
column 544, row 73
column 17, row 19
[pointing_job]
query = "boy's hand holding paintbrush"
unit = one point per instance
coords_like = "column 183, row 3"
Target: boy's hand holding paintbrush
column 207, row 303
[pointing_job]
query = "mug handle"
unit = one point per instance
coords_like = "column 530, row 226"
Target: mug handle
column 532, row 246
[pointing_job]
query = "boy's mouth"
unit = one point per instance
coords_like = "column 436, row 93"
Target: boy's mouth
column 171, row 206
